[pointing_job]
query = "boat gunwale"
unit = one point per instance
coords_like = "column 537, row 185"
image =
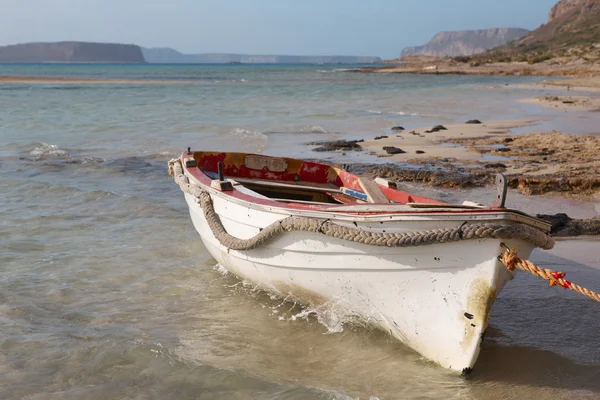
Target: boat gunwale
column 320, row 211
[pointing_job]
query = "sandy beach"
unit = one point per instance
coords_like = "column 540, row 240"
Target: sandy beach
column 567, row 103
column 470, row 154
column 424, row 144
column 466, row 155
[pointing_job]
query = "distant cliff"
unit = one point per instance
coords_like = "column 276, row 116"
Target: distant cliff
column 465, row 43
column 170, row 56
column 71, row 52
column 85, row 52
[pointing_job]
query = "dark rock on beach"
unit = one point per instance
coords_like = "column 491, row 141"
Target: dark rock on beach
column 563, row 225
column 393, row 150
column 397, row 128
column 542, row 153
column 420, row 152
column 473, row 121
column 495, row 165
column 437, row 128
column 381, row 137
column 344, row 145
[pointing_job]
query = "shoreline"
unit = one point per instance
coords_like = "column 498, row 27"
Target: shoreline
column 575, row 75
column 575, row 83
column 469, row 155
column 462, row 155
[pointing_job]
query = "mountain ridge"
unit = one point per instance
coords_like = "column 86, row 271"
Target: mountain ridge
column 571, row 32
column 465, row 43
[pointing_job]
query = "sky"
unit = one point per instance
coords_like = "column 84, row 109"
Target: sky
column 295, row 27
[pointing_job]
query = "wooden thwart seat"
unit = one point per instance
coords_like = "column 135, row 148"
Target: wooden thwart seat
column 373, row 191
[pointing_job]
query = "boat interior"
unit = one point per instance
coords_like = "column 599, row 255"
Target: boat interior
column 299, row 181
column 303, row 184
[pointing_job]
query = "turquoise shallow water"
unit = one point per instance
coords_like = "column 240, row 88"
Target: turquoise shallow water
column 106, row 291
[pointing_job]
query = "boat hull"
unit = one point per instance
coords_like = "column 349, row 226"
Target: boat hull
column 436, row 299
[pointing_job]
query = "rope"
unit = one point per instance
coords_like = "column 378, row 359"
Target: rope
column 357, row 235
column 512, row 261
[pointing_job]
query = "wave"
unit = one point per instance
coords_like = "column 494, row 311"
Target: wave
column 246, row 133
column 401, row 113
column 333, row 314
column 329, row 71
column 45, row 150
column 378, row 112
column 223, row 81
column 51, row 154
column 315, row 129
column 302, row 129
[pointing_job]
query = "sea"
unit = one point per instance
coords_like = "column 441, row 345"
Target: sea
column 106, row 291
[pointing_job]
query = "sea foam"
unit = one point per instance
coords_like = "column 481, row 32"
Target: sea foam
column 48, row 150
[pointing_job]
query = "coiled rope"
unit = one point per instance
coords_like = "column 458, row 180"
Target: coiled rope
column 357, row 235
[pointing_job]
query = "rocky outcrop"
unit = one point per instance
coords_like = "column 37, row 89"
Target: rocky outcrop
column 344, row 145
column 564, row 7
column 465, row 43
column 74, row 52
column 170, row 56
column 565, row 226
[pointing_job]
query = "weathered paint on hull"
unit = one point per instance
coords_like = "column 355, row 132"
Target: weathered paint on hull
column 436, row 299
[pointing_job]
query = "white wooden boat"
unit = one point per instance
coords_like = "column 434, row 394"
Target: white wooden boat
column 424, row 271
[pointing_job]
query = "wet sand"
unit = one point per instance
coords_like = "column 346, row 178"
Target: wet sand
column 437, row 145
column 567, row 103
column 591, row 83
